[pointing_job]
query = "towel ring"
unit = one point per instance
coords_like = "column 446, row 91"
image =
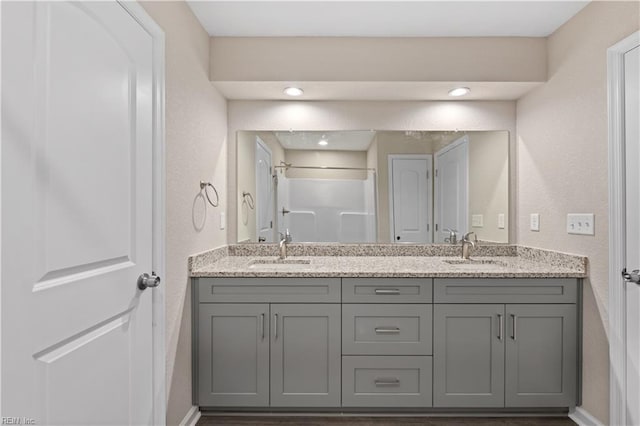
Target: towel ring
column 249, row 199
column 204, row 185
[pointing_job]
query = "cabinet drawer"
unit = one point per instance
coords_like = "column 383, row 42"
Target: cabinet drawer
column 386, row 329
column 269, row 290
column 386, row 381
column 505, row 290
column 387, row 290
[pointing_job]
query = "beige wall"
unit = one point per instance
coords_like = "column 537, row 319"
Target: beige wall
column 478, row 59
column 562, row 166
column 196, row 131
column 393, row 143
column 337, row 115
column 489, row 183
column 246, row 175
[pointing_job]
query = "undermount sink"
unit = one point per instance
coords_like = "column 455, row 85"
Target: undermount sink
column 474, row 262
column 280, row 264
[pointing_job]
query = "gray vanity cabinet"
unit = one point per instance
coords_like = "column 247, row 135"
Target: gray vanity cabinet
column 233, row 354
column 540, row 363
column 305, row 355
column 468, row 355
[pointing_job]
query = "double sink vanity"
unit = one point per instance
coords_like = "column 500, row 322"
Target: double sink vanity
column 383, row 327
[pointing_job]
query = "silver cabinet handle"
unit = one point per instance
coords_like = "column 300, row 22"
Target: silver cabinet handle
column 387, row 291
column 515, row 325
column 262, row 324
column 387, row 330
column 500, row 326
column 275, row 325
column 393, row 381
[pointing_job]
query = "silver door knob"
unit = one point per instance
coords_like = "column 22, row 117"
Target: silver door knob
column 633, row 276
column 145, row 280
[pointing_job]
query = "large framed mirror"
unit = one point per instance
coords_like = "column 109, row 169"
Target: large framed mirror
column 372, row 186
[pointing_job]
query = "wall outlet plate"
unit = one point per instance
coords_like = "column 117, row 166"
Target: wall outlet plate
column 501, row 221
column 581, row 224
column 534, row 222
column 477, row 221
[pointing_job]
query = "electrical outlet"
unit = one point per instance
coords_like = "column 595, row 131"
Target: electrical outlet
column 501, row 221
column 223, row 220
column 477, row 221
column 581, row 224
column 534, row 223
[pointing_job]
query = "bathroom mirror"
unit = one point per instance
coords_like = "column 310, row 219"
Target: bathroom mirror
column 372, row 186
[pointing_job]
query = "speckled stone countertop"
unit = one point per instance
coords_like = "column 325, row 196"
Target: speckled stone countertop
column 385, row 260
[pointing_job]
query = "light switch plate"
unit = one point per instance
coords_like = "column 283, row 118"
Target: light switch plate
column 581, row 224
column 223, row 220
column 477, row 221
column 534, row 223
column 501, row 221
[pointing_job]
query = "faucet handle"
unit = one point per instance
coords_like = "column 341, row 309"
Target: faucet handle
column 453, row 236
column 287, row 236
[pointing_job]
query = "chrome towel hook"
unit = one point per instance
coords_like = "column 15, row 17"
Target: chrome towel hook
column 248, row 198
column 205, row 185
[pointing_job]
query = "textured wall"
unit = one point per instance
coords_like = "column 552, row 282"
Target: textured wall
column 290, row 115
column 562, row 166
column 196, row 129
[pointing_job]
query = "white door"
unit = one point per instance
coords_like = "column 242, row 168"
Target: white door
column 410, row 198
column 264, row 192
column 77, row 202
column 632, row 261
column 451, row 189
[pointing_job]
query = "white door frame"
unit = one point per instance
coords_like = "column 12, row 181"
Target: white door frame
column 430, row 181
column 264, row 146
column 158, row 259
column 617, row 311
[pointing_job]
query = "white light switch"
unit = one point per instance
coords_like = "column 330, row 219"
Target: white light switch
column 477, row 221
column 223, row 220
column 534, row 224
column 581, row 224
column 501, row 221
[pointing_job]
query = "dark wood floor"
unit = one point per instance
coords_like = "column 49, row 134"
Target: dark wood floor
column 381, row 421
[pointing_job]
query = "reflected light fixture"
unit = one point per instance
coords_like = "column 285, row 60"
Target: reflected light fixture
column 293, row 91
column 459, row 91
column 323, row 142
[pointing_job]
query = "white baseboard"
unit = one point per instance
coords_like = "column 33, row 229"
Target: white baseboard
column 584, row 418
column 192, row 417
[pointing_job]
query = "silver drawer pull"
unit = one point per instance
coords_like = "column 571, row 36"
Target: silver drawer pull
column 387, row 382
column 387, row 291
column 387, row 330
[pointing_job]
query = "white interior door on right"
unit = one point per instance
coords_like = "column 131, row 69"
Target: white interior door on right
column 632, row 249
column 410, row 198
column 451, row 189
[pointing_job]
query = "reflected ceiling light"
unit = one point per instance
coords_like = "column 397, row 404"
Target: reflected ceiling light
column 293, row 91
column 323, row 142
column 459, row 91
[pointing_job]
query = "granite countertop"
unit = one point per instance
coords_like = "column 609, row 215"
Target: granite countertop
column 386, row 261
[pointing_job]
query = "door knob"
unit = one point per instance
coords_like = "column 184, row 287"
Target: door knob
column 633, row 276
column 145, row 280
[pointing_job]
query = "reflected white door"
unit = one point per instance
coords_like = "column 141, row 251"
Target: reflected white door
column 632, row 261
column 451, row 189
column 77, row 117
column 264, row 192
column 410, row 198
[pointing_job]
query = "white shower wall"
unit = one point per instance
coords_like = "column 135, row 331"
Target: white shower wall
column 328, row 210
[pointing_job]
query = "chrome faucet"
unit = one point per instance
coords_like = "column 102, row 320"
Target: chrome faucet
column 284, row 240
column 467, row 244
column 453, row 237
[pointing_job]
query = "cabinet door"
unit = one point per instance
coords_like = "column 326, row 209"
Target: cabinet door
column 468, row 355
column 305, row 355
column 541, row 356
column 233, row 355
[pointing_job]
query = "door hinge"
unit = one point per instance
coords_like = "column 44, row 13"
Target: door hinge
column 436, row 172
column 436, row 227
column 427, row 227
column 271, row 225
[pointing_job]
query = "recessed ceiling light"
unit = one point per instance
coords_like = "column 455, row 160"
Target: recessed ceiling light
column 293, row 91
column 459, row 91
column 323, row 142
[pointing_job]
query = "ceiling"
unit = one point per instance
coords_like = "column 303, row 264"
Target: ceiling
column 384, row 18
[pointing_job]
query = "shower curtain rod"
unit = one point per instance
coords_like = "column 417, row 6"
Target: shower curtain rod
column 289, row 166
